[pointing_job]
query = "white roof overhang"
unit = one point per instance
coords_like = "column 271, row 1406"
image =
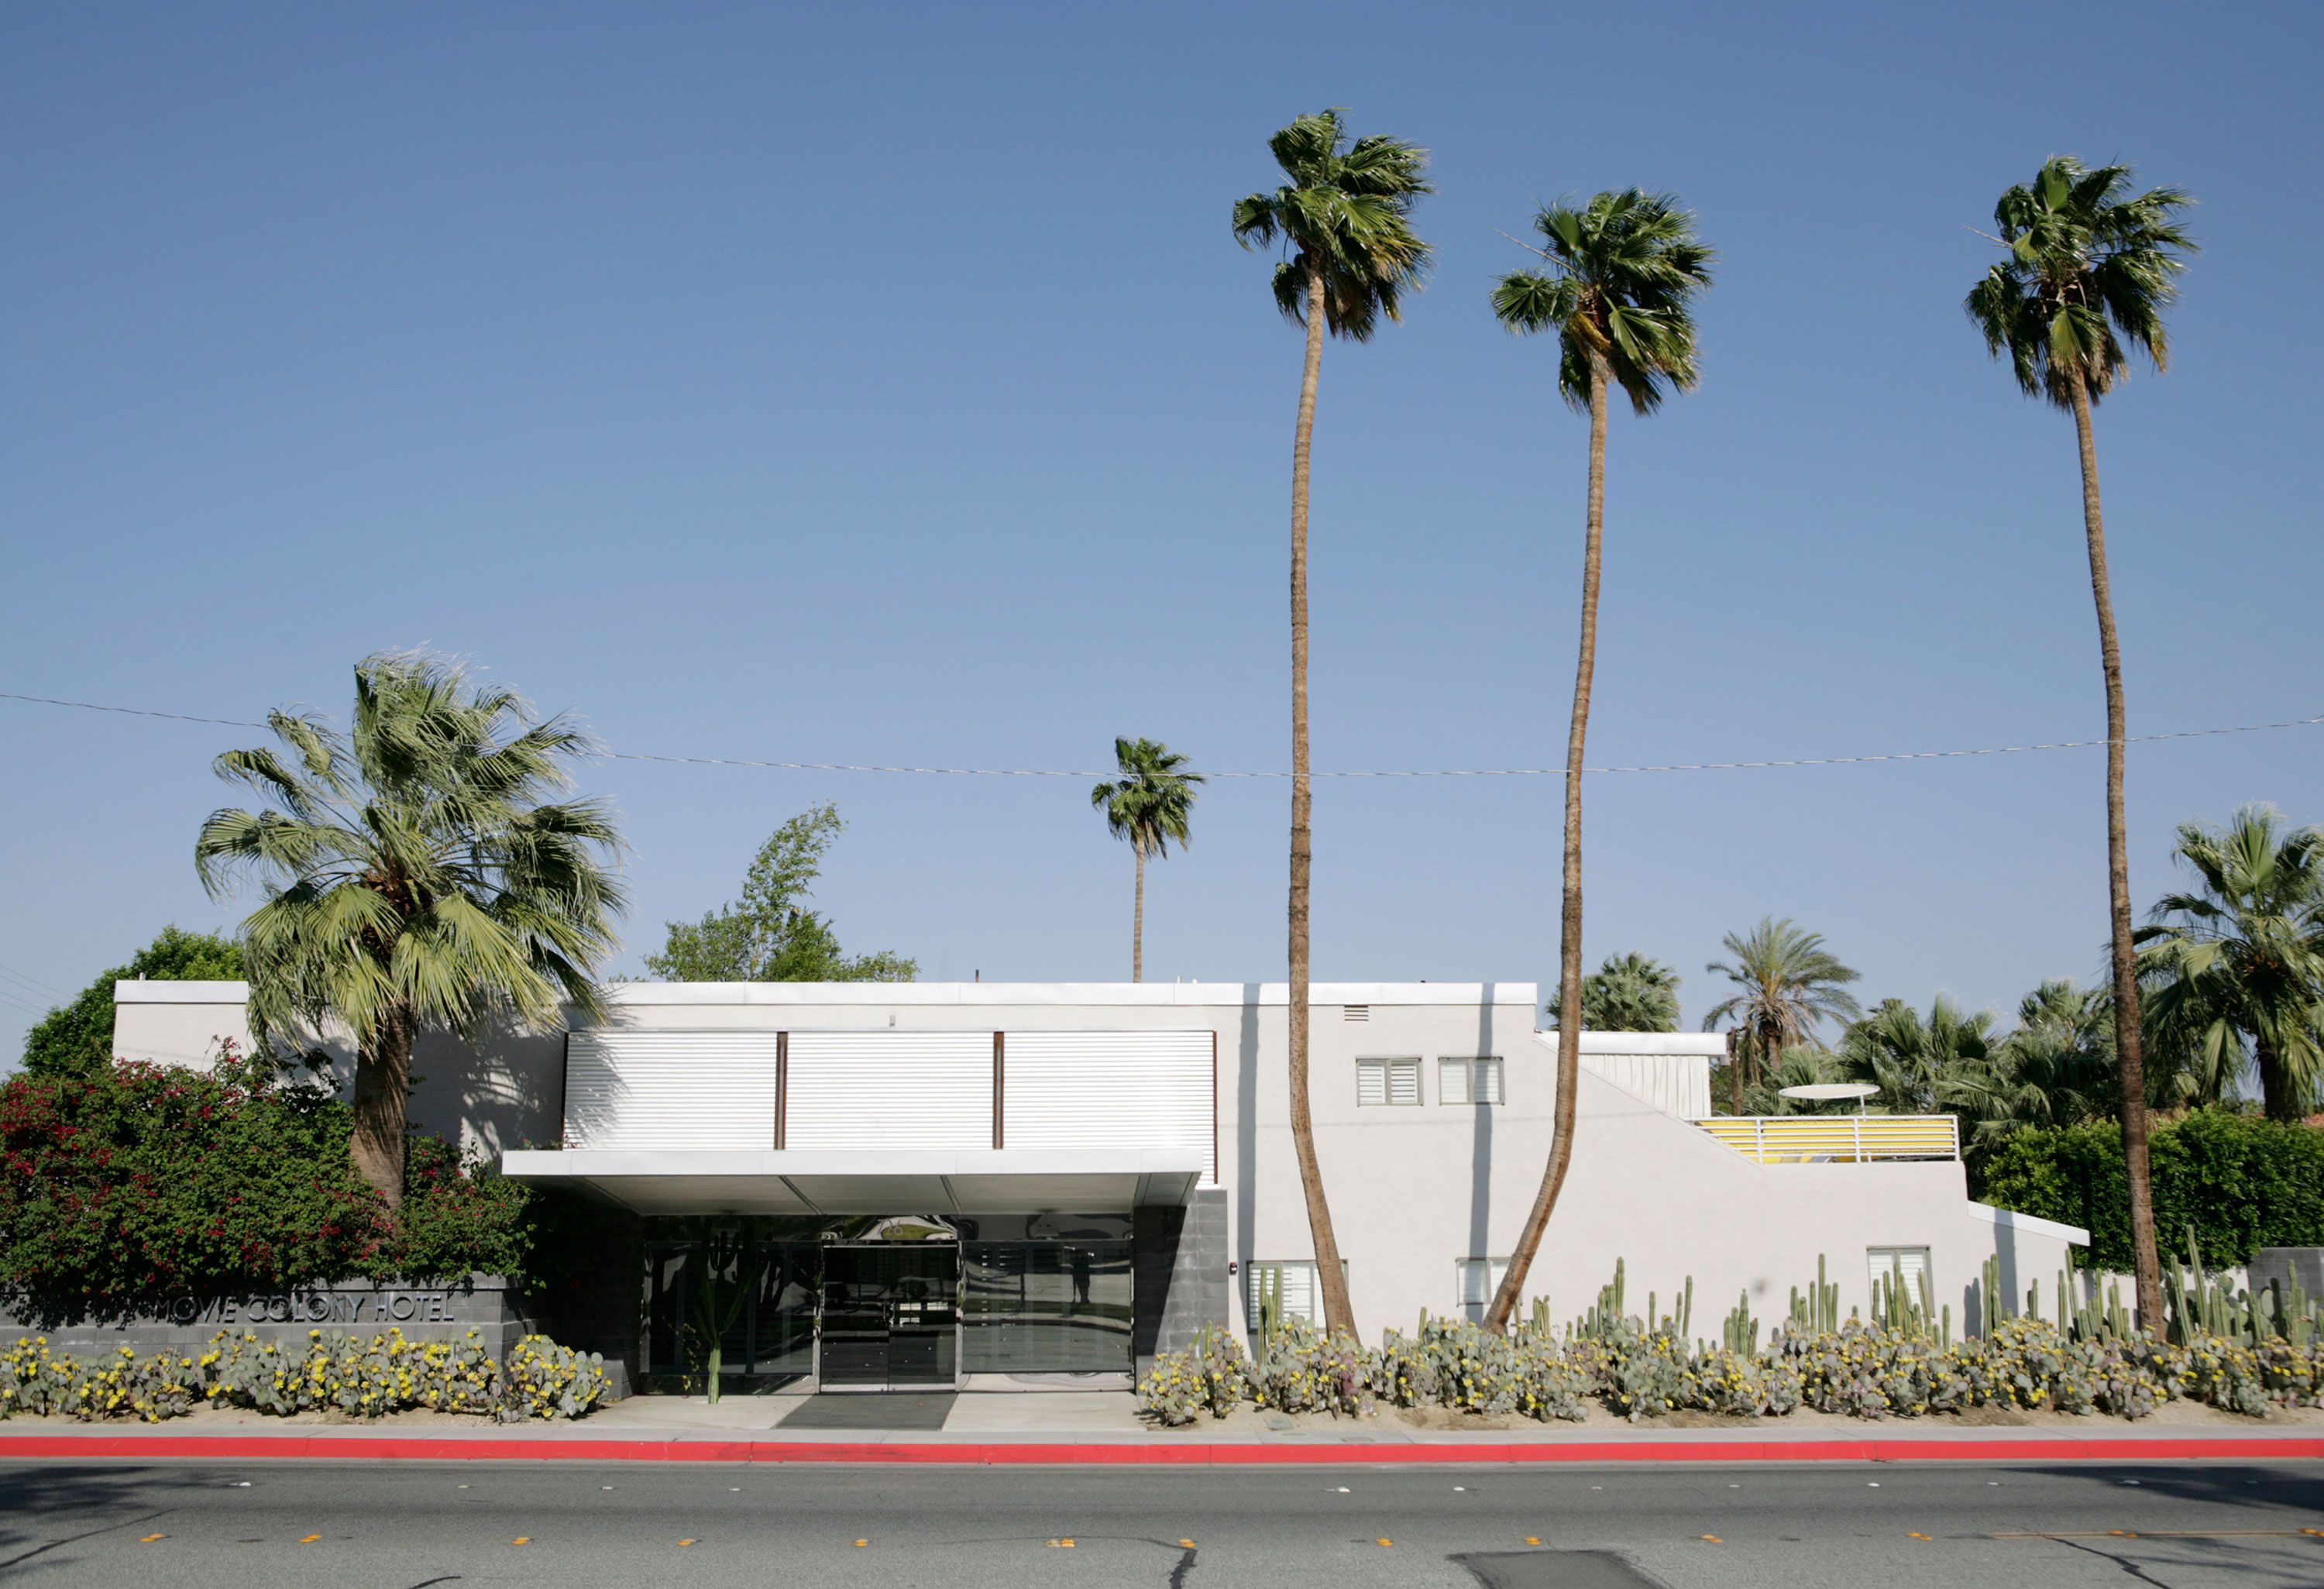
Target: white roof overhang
column 871, row 1180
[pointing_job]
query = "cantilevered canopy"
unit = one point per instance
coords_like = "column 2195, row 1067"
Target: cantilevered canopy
column 871, row 1180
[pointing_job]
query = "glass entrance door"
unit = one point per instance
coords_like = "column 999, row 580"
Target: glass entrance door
column 890, row 1315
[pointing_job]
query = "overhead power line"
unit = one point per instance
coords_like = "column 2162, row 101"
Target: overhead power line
column 612, row 755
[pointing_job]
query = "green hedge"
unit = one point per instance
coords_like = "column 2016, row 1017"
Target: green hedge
column 2241, row 1181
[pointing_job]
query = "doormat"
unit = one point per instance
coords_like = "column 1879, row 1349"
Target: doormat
column 873, row 1409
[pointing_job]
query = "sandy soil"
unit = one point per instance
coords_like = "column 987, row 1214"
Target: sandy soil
column 1443, row 1420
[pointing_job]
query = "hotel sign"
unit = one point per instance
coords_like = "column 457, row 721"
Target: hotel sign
column 375, row 1310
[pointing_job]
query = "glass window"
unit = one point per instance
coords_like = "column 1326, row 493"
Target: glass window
column 762, row 1295
column 1046, row 1307
column 1387, row 1082
column 1465, row 1080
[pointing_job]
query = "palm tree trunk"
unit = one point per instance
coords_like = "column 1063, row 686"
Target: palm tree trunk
column 1138, row 919
column 1569, row 931
column 1734, row 1075
column 382, row 1105
column 2279, row 1099
column 2130, row 1055
column 1337, row 1315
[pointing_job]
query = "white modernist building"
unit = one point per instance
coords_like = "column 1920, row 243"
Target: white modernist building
column 990, row 1183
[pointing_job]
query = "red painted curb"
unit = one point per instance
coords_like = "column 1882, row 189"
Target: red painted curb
column 436, row 1448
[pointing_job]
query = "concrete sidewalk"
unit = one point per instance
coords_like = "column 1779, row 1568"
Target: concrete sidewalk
column 1099, row 1428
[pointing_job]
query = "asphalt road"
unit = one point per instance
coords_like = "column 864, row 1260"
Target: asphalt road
column 400, row 1526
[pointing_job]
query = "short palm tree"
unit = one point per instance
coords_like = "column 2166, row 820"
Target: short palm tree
column 415, row 875
column 1787, row 985
column 2240, row 957
column 1151, row 803
column 1943, row 1064
column 2060, row 1059
column 1344, row 219
column 2090, row 266
column 1623, row 273
column 1629, row 992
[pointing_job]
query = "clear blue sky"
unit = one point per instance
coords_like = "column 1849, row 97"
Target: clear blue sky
column 882, row 384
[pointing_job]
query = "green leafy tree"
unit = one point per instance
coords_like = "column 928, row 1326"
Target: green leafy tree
column 78, row 1036
column 2236, row 965
column 1787, row 985
column 1344, row 218
column 769, row 934
column 1151, row 803
column 415, row 874
column 1629, row 992
column 2089, row 268
column 1624, row 271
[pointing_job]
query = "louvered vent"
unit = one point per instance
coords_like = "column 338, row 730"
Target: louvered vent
column 1355, row 1011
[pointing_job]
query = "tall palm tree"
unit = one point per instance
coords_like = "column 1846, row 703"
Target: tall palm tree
column 2241, row 956
column 2089, row 269
column 1787, row 984
column 1151, row 803
column 1624, row 271
column 1344, row 218
column 415, row 875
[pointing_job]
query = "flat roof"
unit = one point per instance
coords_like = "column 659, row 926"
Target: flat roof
column 868, row 1180
column 1141, row 994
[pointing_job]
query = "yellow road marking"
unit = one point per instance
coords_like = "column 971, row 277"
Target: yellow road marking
column 861, row 1543
column 1384, row 1543
column 151, row 1538
column 1189, row 1544
column 522, row 1539
column 1531, row 1540
column 1917, row 1536
column 311, row 1539
column 1714, row 1539
column 682, row 1544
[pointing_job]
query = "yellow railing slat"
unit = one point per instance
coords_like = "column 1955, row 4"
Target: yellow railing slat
column 1846, row 1139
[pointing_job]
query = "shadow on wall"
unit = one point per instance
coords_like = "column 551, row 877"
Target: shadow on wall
column 505, row 1091
column 1245, row 1136
column 1480, row 1156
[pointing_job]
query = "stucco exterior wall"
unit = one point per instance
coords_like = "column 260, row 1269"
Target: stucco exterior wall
column 1413, row 1188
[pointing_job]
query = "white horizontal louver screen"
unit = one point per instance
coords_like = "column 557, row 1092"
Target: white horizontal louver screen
column 650, row 1091
column 890, row 1089
column 1109, row 1089
column 1372, row 1083
column 1489, row 1082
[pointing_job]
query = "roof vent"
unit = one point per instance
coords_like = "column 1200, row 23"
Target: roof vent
column 1355, row 1011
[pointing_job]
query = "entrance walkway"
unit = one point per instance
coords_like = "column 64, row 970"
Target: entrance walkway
column 867, row 1410
column 972, row 1412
